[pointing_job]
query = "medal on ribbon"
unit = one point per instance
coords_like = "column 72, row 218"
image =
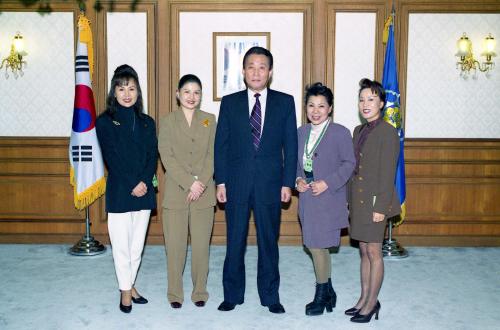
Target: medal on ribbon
column 308, row 163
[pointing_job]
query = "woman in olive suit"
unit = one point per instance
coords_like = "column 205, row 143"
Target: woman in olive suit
column 373, row 196
column 186, row 145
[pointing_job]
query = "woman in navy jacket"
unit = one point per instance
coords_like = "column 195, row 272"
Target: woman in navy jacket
column 130, row 149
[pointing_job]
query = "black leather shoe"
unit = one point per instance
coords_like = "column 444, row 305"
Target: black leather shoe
column 226, row 306
column 360, row 318
column 351, row 311
column 124, row 308
column 276, row 308
column 139, row 300
column 200, row 303
column 176, row 304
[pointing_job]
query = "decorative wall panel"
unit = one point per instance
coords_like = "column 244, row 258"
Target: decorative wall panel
column 286, row 45
column 441, row 104
column 127, row 44
column 354, row 60
column 41, row 102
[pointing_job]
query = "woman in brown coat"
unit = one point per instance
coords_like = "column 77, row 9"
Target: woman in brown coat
column 373, row 196
column 186, row 145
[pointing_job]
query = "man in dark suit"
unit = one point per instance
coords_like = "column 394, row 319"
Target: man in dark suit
column 255, row 164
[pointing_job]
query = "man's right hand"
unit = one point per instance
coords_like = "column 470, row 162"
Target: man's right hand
column 221, row 193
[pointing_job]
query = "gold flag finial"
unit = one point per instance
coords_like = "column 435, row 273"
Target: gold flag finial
column 85, row 36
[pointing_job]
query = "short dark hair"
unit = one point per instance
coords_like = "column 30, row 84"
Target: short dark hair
column 317, row 89
column 374, row 86
column 188, row 78
column 259, row 51
column 121, row 77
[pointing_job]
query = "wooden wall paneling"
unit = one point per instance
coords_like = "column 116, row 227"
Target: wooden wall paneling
column 381, row 8
column 35, row 194
column 453, row 189
column 319, row 35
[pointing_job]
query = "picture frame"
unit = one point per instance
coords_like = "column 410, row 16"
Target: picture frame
column 228, row 51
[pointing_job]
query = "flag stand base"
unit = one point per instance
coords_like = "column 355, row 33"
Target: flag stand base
column 87, row 246
column 391, row 248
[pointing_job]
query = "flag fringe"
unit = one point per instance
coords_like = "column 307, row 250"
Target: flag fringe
column 401, row 216
column 385, row 34
column 89, row 195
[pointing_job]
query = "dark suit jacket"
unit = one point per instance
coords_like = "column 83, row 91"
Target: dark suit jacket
column 131, row 157
column 239, row 166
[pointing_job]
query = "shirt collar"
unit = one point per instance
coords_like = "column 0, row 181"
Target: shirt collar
column 251, row 93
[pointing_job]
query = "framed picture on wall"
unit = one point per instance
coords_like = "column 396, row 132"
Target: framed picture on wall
column 228, row 51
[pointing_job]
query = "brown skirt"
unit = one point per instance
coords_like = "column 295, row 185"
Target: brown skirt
column 372, row 232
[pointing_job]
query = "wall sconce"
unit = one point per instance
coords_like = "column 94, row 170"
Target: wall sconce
column 468, row 62
column 15, row 61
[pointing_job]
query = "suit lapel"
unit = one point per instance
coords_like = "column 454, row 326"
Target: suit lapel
column 319, row 149
column 271, row 112
column 182, row 123
column 302, row 141
column 244, row 118
column 198, row 127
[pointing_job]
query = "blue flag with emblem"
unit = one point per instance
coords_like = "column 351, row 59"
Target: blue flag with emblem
column 392, row 113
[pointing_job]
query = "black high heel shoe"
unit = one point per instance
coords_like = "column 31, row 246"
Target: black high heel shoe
column 351, row 311
column 139, row 300
column 360, row 318
column 125, row 308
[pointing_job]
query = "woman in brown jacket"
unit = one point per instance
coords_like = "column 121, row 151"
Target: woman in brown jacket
column 186, row 145
column 373, row 196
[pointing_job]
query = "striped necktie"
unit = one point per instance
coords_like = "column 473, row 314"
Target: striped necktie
column 255, row 122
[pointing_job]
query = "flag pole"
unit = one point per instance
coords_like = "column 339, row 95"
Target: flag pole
column 391, row 249
column 86, row 164
column 87, row 246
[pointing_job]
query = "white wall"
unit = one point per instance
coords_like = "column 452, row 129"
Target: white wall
column 195, row 34
column 441, row 104
column 127, row 44
column 41, row 102
column 354, row 60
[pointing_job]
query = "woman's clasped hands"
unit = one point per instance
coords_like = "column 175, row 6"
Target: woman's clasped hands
column 195, row 191
column 317, row 187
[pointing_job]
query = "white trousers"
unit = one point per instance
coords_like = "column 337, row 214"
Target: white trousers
column 127, row 232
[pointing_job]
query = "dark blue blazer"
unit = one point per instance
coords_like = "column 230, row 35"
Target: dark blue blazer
column 131, row 157
column 273, row 165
